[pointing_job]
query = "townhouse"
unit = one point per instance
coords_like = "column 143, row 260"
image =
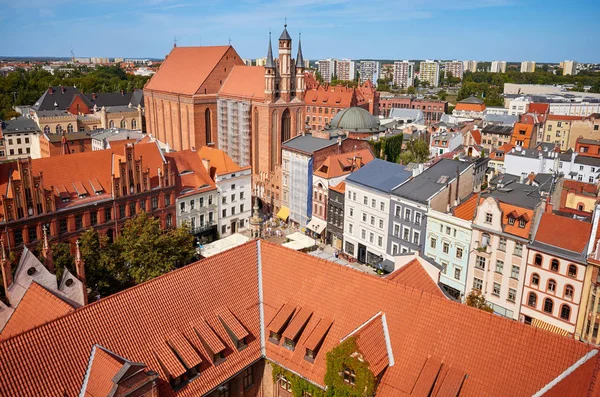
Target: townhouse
column 439, row 187
column 367, row 209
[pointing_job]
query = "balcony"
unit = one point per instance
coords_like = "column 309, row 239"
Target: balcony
column 203, row 228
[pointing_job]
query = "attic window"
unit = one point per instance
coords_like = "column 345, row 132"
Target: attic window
column 522, row 223
column 31, row 271
column 274, row 337
column 69, row 282
column 289, row 343
column 511, row 220
column 185, row 172
column 218, row 358
column 349, row 376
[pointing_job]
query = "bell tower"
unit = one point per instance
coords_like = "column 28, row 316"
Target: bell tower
column 285, row 64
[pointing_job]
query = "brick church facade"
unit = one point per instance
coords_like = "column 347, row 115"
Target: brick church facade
column 207, row 96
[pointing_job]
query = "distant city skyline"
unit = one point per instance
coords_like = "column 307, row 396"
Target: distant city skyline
column 485, row 30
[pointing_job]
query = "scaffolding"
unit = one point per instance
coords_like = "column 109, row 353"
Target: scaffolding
column 234, row 129
column 299, row 192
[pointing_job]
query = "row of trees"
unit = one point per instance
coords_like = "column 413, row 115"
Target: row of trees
column 142, row 251
column 22, row 87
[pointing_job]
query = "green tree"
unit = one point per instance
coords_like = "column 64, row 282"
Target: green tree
column 61, row 257
column 417, row 151
column 393, row 147
column 442, row 95
column 477, row 300
column 318, row 77
column 411, row 90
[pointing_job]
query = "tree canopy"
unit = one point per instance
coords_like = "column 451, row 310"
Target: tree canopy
column 417, row 151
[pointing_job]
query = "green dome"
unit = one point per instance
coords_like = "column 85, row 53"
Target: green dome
column 355, row 119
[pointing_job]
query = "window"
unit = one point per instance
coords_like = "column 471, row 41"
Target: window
column 107, row 215
column 535, row 279
column 154, row 202
column 477, row 283
column 496, row 290
column 365, row 200
column 565, row 312
column 502, row 244
column 372, row 220
column 371, row 237
column 488, row 218
column 351, row 212
column 121, row 211
column 522, row 223
column 224, row 212
column 432, row 242
column 459, row 252
column 511, row 220
column 548, row 305
column 397, row 211
column 380, row 241
column 224, row 200
column 381, row 223
column 350, row 228
column 445, row 247
column 512, row 294
column 18, row 237
column 248, row 379
column 382, row 206
column 416, row 238
column 457, row 271
column 444, row 267
column 406, row 234
column 537, row 260
column 168, row 200
column 232, row 210
column 407, row 214
column 373, row 203
column 363, row 234
column 211, row 217
column 569, row 292
column 499, row 266
column 532, row 299
column 480, row 262
column 514, row 273
column 131, row 209
column 192, row 204
column 232, row 198
column 554, row 265
column 572, row 271
column 93, row 218
column 223, row 229
column 518, row 249
column 349, row 376
column 395, row 249
column 241, row 195
column 349, row 248
column 418, row 218
column 78, row 222
column 551, row 286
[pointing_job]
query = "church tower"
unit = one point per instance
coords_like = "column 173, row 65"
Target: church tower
column 300, row 85
column 270, row 75
column 285, row 64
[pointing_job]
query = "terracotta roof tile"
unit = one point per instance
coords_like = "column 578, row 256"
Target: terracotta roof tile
column 515, row 229
column 466, row 210
column 539, row 108
column 220, row 162
column 208, row 335
column 281, row 318
column 171, row 365
column 370, row 341
column 563, row 117
column 316, row 336
column 246, row 82
column 185, row 69
column 337, row 165
column 297, row 323
column 340, row 187
column 427, row 378
column 582, row 381
column 562, row 232
column 233, row 324
column 103, row 368
column 193, row 177
column 184, row 349
column 413, row 275
column 38, row 306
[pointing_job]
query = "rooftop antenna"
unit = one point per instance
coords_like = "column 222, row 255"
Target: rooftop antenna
column 175, row 41
column 229, row 40
column 285, row 22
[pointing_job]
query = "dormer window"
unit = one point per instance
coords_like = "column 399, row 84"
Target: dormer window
column 310, row 355
column 522, row 223
column 349, row 376
column 274, row 337
column 218, row 358
column 511, row 220
column 241, row 343
column 289, row 343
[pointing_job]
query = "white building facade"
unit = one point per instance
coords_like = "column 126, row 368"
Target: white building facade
column 369, row 70
column 403, row 74
column 235, row 201
column 498, row 67
column 429, row 71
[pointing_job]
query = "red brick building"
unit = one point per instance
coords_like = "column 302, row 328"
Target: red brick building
column 432, row 109
column 69, row 194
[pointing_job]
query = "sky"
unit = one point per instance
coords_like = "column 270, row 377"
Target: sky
column 484, row 30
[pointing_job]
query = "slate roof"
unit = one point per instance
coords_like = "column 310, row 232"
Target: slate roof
column 425, row 185
column 380, row 175
column 111, row 99
column 516, row 193
column 498, row 129
column 285, row 35
column 61, row 96
column 472, row 100
column 18, row 125
column 307, row 143
column 131, row 325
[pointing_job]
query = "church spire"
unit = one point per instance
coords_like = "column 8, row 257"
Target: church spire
column 299, row 58
column 80, row 270
column 48, row 260
column 270, row 63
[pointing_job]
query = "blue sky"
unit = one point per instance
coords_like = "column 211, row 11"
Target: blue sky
column 513, row 30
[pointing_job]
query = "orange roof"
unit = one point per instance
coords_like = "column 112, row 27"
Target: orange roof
column 370, row 340
column 103, row 368
column 186, row 68
column 516, row 212
column 476, row 136
column 245, row 81
column 331, row 96
column 539, row 108
column 220, row 162
column 337, row 165
column 579, row 187
column 470, row 107
column 563, row 117
column 38, row 306
column 413, row 275
column 466, row 210
column 499, row 153
column 340, row 187
column 421, row 327
column 562, row 232
column 581, row 381
column 193, row 177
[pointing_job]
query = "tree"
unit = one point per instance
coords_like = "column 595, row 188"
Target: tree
column 411, row 90
column 477, row 300
column 318, row 77
column 442, row 95
column 417, row 151
column 61, row 257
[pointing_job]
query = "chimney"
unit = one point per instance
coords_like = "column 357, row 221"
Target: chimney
column 456, row 198
column 48, row 260
column 62, row 89
column 122, row 93
column 94, row 96
column 206, row 163
column 80, row 270
column 50, row 90
column 7, row 276
column 549, row 206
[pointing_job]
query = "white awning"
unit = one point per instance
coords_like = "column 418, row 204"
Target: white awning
column 317, row 225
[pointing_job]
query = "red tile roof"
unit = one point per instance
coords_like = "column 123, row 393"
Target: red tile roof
column 421, row 327
column 562, row 232
column 245, row 82
column 413, row 275
column 579, row 187
column 193, row 177
column 371, row 342
column 38, row 306
column 516, row 212
column 103, row 368
column 581, row 381
column 220, row 162
column 539, row 108
column 476, row 136
column 470, row 107
column 337, row 165
column 340, row 187
column 466, row 210
column 186, row 68
column 563, row 117
column 331, row 96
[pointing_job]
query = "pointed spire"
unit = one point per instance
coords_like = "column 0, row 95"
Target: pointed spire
column 80, row 270
column 299, row 58
column 285, row 35
column 7, row 276
column 48, row 260
column 270, row 63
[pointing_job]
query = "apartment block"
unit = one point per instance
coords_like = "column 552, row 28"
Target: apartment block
column 470, row 66
column 345, row 70
column 498, row 67
column 403, row 73
column 429, row 71
column 527, row 67
column 369, row 70
column 326, row 68
column 455, row 68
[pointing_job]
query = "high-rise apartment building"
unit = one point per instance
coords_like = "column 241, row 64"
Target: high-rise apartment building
column 345, row 70
column 456, row 68
column 404, row 72
column 527, row 67
column 326, row 68
column 261, row 61
column 569, row 67
column 369, row 70
column 498, row 67
column 470, row 66
column 430, row 72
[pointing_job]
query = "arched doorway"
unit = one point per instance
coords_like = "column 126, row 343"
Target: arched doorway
column 286, row 132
